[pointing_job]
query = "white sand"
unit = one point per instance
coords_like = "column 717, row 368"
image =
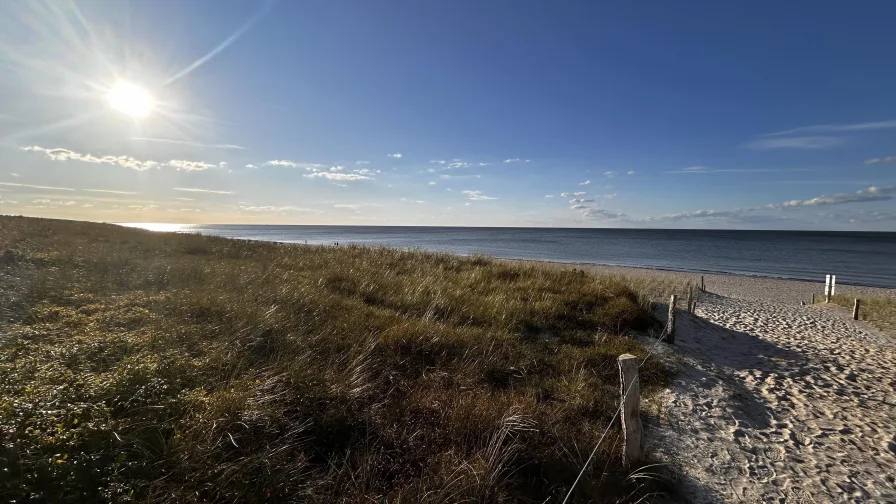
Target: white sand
column 776, row 402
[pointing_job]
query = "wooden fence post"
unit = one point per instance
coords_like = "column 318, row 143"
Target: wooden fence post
column 855, row 310
column 827, row 288
column 702, row 285
column 632, row 445
column 833, row 284
column 813, row 298
column 690, row 297
column 670, row 323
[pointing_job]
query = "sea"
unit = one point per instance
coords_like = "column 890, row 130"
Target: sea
column 857, row 258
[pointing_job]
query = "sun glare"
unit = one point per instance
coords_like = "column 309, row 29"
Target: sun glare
column 130, row 99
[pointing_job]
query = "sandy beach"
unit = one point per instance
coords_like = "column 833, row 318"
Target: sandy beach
column 737, row 286
column 774, row 401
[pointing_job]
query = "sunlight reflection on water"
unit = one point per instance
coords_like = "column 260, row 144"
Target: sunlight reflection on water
column 165, row 227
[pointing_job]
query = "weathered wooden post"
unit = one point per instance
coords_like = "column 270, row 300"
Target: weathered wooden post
column 632, row 445
column 855, row 310
column 827, row 288
column 670, row 323
column 813, row 298
column 702, row 285
column 690, row 297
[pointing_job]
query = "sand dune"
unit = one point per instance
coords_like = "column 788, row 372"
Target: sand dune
column 778, row 402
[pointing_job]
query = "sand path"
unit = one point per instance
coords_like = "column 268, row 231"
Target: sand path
column 779, row 403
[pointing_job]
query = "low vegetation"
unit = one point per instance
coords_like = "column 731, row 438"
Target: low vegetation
column 143, row 367
column 878, row 311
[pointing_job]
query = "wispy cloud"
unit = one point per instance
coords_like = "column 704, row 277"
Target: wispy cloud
column 837, row 128
column 142, row 208
column 356, row 206
column 334, row 172
column 431, row 182
column 66, row 155
column 630, row 172
column 693, row 170
column 124, row 161
column 294, row 164
column 459, row 177
column 454, row 164
column 181, row 164
column 548, row 195
column 806, row 142
column 53, row 202
column 870, row 194
column 396, row 155
column 338, row 176
column 186, row 142
column 585, row 182
column 14, row 174
column 601, row 214
column 274, row 209
column 194, row 189
column 582, row 200
column 251, row 166
column 13, row 184
column 888, row 159
column 476, row 196
column 609, row 174
column 406, row 200
column 512, row 160
column 362, row 162
column 109, row 191
column 698, row 214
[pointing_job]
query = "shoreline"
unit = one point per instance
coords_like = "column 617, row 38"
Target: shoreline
column 740, row 286
column 734, row 284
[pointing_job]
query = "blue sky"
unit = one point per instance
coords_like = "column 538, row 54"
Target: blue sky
column 499, row 113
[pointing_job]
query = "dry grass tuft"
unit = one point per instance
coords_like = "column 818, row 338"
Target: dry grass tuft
column 178, row 368
column 877, row 311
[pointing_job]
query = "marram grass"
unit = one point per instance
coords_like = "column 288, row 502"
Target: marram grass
column 142, row 367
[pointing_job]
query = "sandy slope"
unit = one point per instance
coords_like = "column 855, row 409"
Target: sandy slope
column 777, row 402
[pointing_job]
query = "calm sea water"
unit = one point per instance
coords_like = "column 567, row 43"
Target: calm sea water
column 857, row 258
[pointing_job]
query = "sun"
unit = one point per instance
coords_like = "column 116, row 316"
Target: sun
column 130, row 99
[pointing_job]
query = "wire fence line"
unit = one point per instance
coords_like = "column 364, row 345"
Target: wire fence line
column 662, row 336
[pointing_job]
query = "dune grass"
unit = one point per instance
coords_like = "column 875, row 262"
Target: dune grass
column 144, row 367
column 878, row 311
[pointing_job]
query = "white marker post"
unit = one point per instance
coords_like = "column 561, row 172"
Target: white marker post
column 833, row 284
column 827, row 288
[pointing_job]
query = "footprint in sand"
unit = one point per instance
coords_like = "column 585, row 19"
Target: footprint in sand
column 798, row 400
